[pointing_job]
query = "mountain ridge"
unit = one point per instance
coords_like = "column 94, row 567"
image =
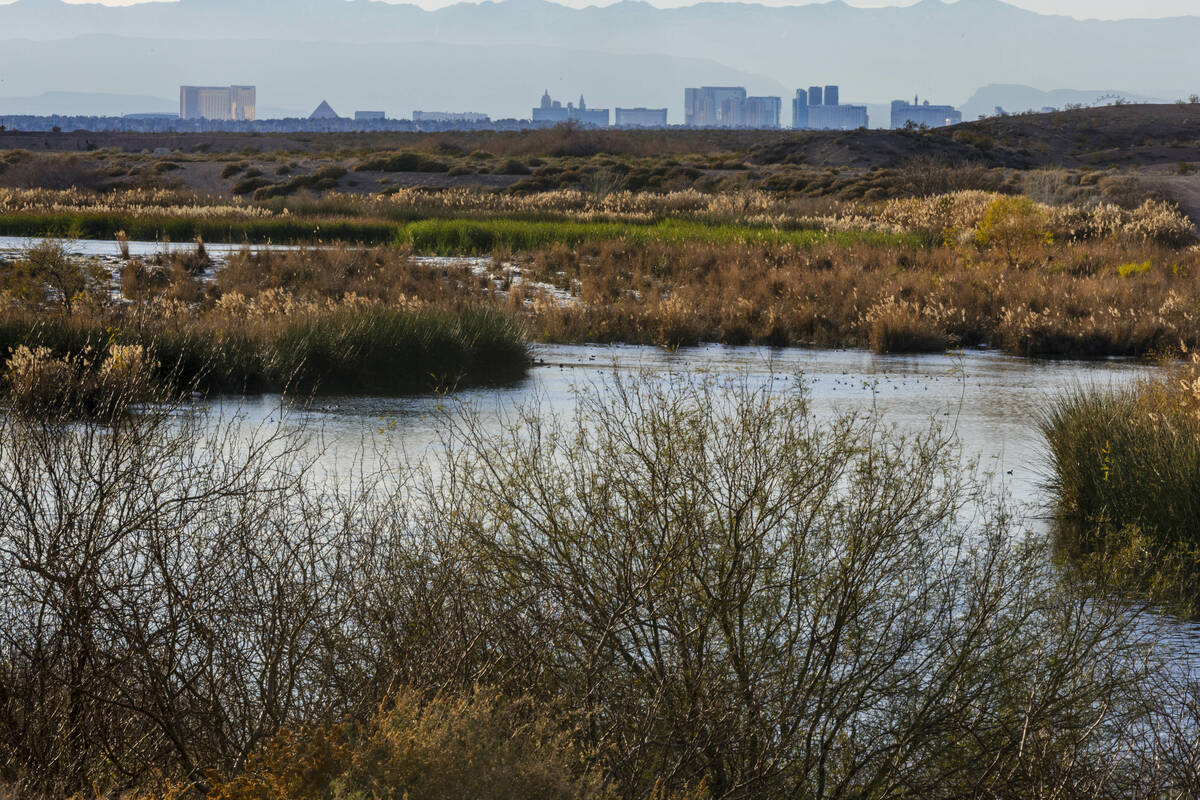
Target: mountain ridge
column 942, row 51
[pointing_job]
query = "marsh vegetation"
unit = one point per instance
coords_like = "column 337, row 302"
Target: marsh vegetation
column 1126, row 476
column 687, row 587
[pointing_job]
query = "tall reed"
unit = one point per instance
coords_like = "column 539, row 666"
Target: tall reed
column 1126, row 477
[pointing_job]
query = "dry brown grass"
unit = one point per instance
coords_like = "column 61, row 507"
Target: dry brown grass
column 1069, row 299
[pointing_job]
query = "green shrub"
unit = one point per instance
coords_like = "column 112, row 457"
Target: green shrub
column 1134, row 268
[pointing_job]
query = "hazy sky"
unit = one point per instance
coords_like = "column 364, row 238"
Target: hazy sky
column 1101, row 9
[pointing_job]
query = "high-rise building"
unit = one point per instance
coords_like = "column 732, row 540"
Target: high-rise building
column 837, row 118
column 918, row 113
column 800, row 110
column 822, row 110
column 641, row 117
column 729, row 107
column 761, row 112
column 217, row 102
column 369, row 116
column 244, row 100
column 551, row 111
column 713, row 106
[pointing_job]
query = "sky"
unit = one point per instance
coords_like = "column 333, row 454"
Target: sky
column 1082, row 9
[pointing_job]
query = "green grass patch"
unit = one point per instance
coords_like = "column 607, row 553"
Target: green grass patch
column 281, row 230
column 479, row 237
column 438, row 235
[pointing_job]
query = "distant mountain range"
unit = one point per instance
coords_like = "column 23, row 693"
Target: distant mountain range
column 1015, row 99
column 498, row 57
column 90, row 104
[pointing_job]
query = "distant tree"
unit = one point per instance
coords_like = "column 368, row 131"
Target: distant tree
column 1193, row 99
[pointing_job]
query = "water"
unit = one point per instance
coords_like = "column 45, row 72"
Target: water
column 987, row 398
column 12, row 246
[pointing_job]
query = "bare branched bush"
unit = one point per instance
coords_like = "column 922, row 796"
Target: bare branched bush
column 682, row 588
column 742, row 597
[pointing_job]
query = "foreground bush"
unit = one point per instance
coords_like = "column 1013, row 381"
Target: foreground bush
column 480, row 745
column 681, row 586
column 1126, row 473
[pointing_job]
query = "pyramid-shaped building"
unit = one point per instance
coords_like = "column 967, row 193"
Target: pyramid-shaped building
column 324, row 111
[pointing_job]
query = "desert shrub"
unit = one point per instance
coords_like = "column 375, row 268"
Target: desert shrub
column 250, row 185
column 323, row 179
column 514, row 166
column 402, row 162
column 1126, row 191
column 1054, row 186
column 58, row 172
column 229, row 170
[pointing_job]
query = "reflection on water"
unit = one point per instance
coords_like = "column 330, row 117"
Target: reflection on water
column 109, row 249
column 987, row 398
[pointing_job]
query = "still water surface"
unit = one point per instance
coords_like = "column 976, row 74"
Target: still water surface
column 989, row 399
